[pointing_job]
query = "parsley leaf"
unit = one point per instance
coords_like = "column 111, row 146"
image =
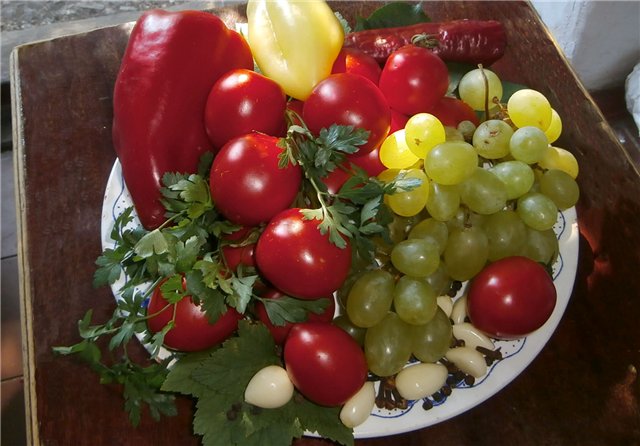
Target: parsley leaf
column 288, row 309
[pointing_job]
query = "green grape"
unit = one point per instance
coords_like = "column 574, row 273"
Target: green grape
column 560, row 187
column 412, row 202
column 466, row 253
column 439, row 280
column 528, row 144
column 430, row 227
column 429, row 342
column 395, row 153
column 443, row 201
column 370, row 298
column 453, row 134
column 472, row 88
column 491, row 139
column 518, row 177
column 484, row 193
column 555, row 127
column 423, row 132
column 451, row 162
column 467, row 129
column 507, row 234
column 528, row 107
column 465, row 218
column 414, row 300
column 357, row 333
column 342, row 294
column 416, row 257
column 541, row 246
column 387, row 345
column 537, row 211
column 561, row 159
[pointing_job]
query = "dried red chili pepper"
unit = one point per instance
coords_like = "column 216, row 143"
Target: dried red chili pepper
column 171, row 62
column 471, row 41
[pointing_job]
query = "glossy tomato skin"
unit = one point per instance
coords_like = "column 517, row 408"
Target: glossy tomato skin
column 511, row 297
column 452, row 111
column 370, row 162
column 349, row 99
column 247, row 186
column 355, row 61
column 324, row 363
column 413, row 79
column 243, row 101
column 297, row 259
column 192, row 331
column 280, row 332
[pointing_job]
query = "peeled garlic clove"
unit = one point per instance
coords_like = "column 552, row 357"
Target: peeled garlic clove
column 446, row 304
column 469, row 360
column 459, row 311
column 421, row 380
column 358, row 408
column 471, row 336
column 269, row 388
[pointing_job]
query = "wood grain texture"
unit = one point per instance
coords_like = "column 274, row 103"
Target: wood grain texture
column 581, row 389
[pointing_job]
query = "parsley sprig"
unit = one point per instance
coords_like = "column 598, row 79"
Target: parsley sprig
column 357, row 211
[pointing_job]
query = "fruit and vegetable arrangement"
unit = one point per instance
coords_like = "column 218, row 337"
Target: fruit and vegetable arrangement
column 324, row 220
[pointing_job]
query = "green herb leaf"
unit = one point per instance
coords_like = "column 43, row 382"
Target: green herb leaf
column 152, row 243
column 288, row 309
column 392, row 15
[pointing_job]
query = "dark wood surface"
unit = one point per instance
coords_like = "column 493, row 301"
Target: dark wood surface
column 581, row 389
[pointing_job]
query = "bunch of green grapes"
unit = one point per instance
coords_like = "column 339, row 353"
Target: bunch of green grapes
column 487, row 193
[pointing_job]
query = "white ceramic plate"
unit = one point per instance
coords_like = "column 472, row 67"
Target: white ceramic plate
column 517, row 355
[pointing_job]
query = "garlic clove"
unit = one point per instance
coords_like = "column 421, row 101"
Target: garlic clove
column 471, row 336
column 421, row 380
column 469, row 360
column 358, row 408
column 270, row 388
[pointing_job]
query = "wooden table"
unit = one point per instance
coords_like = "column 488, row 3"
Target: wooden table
column 581, row 389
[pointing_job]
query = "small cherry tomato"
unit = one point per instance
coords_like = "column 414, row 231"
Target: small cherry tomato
column 452, row 111
column 247, row 185
column 349, row 99
column 413, row 79
column 297, row 259
column 243, row 101
column 280, row 332
column 370, row 162
column 324, row 363
column 511, row 297
column 192, row 330
column 355, row 61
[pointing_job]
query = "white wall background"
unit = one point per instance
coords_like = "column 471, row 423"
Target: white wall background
column 601, row 39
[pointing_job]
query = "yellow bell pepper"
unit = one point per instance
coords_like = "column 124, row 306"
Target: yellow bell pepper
column 294, row 42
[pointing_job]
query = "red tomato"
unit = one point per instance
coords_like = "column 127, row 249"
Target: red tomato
column 324, row 363
column 243, row 101
column 280, row 332
column 192, row 331
column 398, row 121
column 370, row 162
column 452, row 111
column 297, row 259
column 247, row 185
column 511, row 298
column 335, row 179
column 354, row 61
column 413, row 79
column 234, row 256
column 348, row 99
column 296, row 106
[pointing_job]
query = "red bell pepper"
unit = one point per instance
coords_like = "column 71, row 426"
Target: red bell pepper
column 171, row 62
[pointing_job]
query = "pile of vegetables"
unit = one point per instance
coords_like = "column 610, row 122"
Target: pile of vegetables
column 301, row 225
